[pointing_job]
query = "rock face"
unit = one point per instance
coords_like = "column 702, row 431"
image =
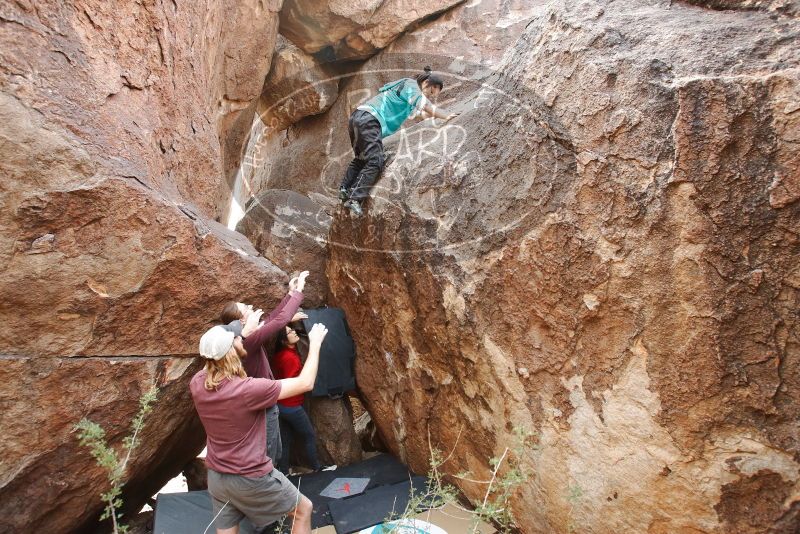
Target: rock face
column 339, row 29
column 243, row 35
column 471, row 34
column 112, row 267
column 295, row 88
column 295, row 174
column 51, row 484
column 309, row 158
column 311, row 155
column 337, row 441
column 788, row 7
column 291, row 229
column 296, row 146
column 602, row 249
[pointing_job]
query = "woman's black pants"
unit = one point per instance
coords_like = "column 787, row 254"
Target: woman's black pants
column 366, row 167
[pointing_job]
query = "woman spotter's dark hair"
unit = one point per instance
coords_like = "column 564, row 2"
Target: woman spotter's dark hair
column 281, row 341
column 430, row 77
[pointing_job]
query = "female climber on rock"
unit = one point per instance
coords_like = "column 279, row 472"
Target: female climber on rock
column 377, row 118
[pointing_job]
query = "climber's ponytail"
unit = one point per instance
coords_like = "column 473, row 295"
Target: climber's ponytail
column 431, row 78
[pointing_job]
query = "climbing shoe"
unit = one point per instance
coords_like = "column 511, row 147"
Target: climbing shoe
column 355, row 207
column 327, row 468
column 343, row 196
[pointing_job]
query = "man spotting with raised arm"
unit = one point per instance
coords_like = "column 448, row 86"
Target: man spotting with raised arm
column 242, row 480
column 242, row 320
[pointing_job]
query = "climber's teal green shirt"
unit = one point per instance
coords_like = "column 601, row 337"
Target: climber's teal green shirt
column 393, row 104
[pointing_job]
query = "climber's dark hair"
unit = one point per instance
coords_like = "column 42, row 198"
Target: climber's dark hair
column 431, row 78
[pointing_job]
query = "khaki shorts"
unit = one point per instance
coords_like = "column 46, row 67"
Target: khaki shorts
column 263, row 500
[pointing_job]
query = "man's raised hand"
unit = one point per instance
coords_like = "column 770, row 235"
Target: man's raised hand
column 298, row 283
column 251, row 323
column 299, row 316
column 317, row 334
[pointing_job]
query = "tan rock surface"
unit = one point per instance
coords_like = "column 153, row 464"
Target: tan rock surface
column 291, row 229
column 784, row 7
column 296, row 87
column 600, row 252
column 337, row 441
column 347, row 29
column 111, row 115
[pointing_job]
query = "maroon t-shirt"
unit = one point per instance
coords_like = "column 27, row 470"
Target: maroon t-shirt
column 235, row 422
column 256, row 363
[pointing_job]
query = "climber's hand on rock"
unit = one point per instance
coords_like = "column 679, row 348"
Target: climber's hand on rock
column 299, row 316
column 251, row 323
column 450, row 117
column 317, row 334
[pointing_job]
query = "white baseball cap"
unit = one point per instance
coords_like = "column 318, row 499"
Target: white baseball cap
column 216, row 343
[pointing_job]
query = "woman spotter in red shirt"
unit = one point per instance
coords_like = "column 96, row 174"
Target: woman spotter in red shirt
column 286, row 363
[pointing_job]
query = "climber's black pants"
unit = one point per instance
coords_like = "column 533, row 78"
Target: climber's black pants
column 363, row 171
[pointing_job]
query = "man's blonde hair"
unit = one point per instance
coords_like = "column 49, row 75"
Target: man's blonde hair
column 228, row 366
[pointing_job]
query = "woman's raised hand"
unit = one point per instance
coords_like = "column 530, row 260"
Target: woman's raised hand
column 317, row 334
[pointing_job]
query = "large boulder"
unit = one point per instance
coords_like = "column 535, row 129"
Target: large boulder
column 49, row 482
column 105, row 285
column 601, row 249
column 338, row 29
column 111, row 117
column 145, row 91
column 297, row 86
column 115, row 270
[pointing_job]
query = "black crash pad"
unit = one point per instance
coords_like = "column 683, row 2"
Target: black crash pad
column 335, row 376
column 188, row 513
column 374, row 506
column 382, row 470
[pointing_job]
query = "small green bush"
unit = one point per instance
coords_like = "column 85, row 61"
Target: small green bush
column 92, row 436
column 496, row 505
